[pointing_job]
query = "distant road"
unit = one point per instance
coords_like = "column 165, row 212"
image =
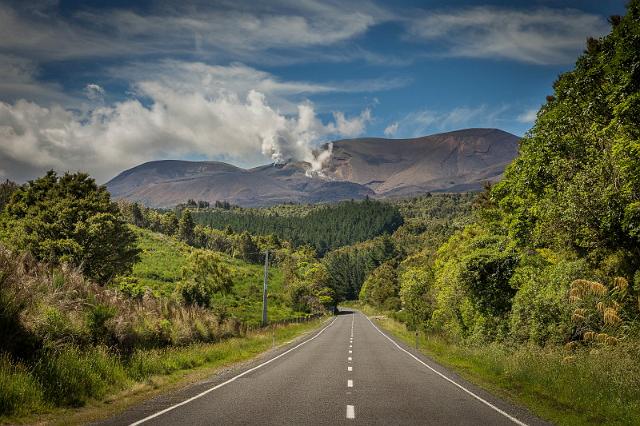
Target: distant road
column 348, row 372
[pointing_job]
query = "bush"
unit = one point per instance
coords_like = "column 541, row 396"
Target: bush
column 416, row 295
column 541, row 309
column 202, row 277
column 70, row 219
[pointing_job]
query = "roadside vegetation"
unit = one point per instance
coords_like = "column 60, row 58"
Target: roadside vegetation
column 595, row 387
column 537, row 290
column 90, row 305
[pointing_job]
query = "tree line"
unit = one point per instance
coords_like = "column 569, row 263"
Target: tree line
column 324, row 228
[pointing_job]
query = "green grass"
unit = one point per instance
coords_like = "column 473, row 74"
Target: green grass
column 105, row 382
column 161, row 260
column 586, row 387
column 160, row 268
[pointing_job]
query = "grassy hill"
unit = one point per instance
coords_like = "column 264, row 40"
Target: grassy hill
column 160, row 268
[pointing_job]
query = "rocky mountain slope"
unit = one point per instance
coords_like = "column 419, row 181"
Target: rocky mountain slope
column 374, row 167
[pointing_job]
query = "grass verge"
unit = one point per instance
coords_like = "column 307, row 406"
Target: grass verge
column 101, row 385
column 585, row 387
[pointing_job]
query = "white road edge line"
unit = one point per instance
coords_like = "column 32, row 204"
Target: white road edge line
column 233, row 379
column 479, row 398
column 351, row 414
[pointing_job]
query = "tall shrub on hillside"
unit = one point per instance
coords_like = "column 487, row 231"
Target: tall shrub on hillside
column 186, row 227
column 69, row 219
column 204, row 275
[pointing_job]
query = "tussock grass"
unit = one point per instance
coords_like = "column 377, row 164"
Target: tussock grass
column 583, row 387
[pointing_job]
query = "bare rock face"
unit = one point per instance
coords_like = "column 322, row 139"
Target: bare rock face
column 373, row 167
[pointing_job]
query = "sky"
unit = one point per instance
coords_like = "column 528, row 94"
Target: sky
column 101, row 86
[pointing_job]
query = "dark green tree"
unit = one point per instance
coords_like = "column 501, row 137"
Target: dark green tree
column 137, row 216
column 70, row 219
column 186, row 227
column 7, row 188
column 170, row 223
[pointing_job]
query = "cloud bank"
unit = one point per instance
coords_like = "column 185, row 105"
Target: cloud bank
column 196, row 114
column 539, row 36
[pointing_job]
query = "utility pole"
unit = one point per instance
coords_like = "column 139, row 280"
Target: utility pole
column 264, row 288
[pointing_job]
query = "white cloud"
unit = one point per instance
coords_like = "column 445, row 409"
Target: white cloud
column 540, row 36
column 391, row 129
column 528, row 116
column 213, row 80
column 425, row 122
column 241, row 29
column 178, row 122
column 350, row 127
column 94, row 92
column 18, row 79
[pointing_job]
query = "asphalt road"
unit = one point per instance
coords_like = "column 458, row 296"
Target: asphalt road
column 349, row 372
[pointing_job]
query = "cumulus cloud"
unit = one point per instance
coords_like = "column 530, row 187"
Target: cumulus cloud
column 178, row 122
column 391, row 129
column 540, row 36
column 350, row 127
column 211, row 80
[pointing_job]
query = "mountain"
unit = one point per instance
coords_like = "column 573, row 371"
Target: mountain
column 374, row 167
column 453, row 161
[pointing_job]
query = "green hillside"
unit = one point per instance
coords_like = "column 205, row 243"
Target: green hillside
column 160, row 268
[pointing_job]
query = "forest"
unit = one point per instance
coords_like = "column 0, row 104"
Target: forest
column 323, row 227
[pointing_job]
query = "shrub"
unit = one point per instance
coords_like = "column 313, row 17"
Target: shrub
column 381, row 285
column 70, row 219
column 541, row 310
column 202, row 277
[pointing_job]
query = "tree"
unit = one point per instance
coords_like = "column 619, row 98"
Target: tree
column 7, row 188
column 186, row 227
column 70, row 219
column 203, row 276
column 247, row 248
column 170, row 223
column 381, row 289
column 136, row 215
column 576, row 181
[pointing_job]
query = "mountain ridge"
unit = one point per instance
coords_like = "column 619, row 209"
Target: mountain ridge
column 455, row 161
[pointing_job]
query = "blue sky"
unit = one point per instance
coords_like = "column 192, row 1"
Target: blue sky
column 102, row 86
